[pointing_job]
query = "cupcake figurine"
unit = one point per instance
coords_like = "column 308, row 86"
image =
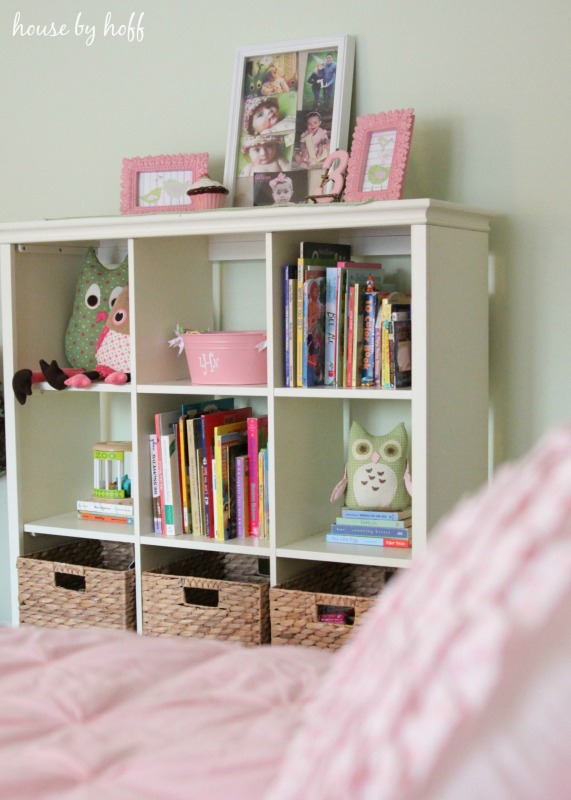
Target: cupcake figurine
column 206, row 193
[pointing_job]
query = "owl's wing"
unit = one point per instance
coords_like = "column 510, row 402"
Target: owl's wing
column 339, row 489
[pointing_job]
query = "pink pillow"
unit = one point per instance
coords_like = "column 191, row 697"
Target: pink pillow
column 459, row 684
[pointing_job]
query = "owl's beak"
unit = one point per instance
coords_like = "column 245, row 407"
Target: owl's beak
column 101, row 316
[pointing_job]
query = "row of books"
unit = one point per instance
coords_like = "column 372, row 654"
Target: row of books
column 372, row 528
column 343, row 327
column 209, row 471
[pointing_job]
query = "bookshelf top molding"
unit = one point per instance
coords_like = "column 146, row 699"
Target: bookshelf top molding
column 335, row 216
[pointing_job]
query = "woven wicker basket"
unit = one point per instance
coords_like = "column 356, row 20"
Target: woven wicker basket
column 83, row 584
column 296, row 605
column 208, row 596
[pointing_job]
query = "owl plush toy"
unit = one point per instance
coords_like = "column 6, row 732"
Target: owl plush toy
column 97, row 335
column 376, row 476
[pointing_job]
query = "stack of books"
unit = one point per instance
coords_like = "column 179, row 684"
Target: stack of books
column 373, row 528
column 106, row 510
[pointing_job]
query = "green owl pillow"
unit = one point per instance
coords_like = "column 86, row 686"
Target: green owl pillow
column 96, row 290
column 376, row 476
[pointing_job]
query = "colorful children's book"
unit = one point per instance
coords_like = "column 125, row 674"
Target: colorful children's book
column 183, row 475
column 401, row 375
column 332, row 252
column 172, row 508
column 225, row 436
column 242, row 497
column 373, row 523
column 361, row 513
column 104, row 518
column 289, row 272
column 377, row 541
column 163, row 427
column 120, row 507
column 348, row 274
column 370, row 530
column 306, row 268
column 235, row 451
column 369, row 317
column 313, row 348
column 193, row 439
column 209, row 423
column 257, row 428
column 155, row 485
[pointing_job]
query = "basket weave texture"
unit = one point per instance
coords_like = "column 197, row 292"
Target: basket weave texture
column 83, row 584
column 295, row 604
column 208, row 596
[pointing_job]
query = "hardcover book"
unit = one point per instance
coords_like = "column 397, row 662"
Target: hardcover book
column 257, row 438
column 313, row 348
column 375, row 541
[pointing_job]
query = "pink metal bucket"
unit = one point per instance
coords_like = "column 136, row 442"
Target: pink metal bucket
column 227, row 357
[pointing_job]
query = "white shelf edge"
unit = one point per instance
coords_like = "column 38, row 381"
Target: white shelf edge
column 248, row 546
column 69, row 525
column 358, row 393
column 186, row 387
column 315, row 548
column 232, row 221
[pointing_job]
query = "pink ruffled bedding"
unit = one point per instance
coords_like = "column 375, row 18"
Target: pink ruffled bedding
column 456, row 687
column 93, row 714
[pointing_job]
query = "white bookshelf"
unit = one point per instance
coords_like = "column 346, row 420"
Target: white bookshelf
column 222, row 269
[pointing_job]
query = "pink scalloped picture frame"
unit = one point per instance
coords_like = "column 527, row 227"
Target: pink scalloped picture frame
column 155, row 184
column 379, row 156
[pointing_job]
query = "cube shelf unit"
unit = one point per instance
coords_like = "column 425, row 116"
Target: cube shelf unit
column 223, row 270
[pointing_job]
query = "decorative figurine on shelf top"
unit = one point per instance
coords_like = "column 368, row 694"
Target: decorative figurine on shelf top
column 332, row 178
column 112, row 356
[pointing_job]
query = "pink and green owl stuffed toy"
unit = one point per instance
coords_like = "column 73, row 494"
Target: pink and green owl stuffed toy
column 376, row 475
column 97, row 341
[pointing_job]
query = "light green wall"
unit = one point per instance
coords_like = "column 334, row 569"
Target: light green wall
column 489, row 82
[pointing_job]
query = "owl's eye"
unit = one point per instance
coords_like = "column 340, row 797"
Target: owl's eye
column 93, row 296
column 362, row 449
column 391, row 450
column 119, row 316
column 114, row 295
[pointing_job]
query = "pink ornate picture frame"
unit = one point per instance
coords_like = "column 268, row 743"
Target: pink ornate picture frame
column 159, row 183
column 379, row 156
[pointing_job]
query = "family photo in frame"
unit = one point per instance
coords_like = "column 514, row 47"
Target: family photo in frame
column 290, row 110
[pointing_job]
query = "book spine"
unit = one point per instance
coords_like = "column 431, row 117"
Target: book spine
column 292, row 332
column 160, row 473
column 375, row 541
column 357, row 513
column 192, row 477
column 255, row 442
column 219, row 465
column 242, row 505
column 374, row 523
column 167, row 440
column 369, row 319
column 261, row 495
column 93, row 507
column 183, row 474
column 299, row 326
column 349, row 530
column 330, row 324
column 357, row 365
column 104, row 518
column 349, row 339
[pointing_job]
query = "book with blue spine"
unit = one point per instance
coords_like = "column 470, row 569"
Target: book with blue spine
column 361, row 513
column 356, row 530
column 374, row 523
column 374, row 541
